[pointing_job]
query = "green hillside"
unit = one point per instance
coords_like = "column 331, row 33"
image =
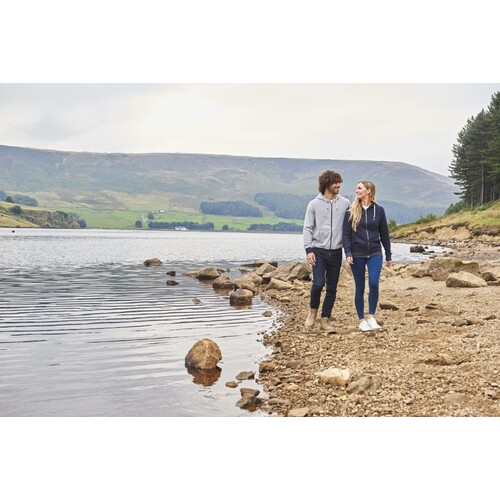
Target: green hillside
column 482, row 221
column 103, row 187
column 12, row 215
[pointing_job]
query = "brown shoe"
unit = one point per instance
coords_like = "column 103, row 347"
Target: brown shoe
column 311, row 319
column 325, row 325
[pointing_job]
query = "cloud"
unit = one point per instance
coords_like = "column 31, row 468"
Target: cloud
column 413, row 123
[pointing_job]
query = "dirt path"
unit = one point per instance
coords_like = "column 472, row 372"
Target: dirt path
column 438, row 353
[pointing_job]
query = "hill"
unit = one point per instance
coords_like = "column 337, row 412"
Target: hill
column 35, row 217
column 88, row 182
column 482, row 223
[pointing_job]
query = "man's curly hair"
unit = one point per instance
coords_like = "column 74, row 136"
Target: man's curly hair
column 327, row 178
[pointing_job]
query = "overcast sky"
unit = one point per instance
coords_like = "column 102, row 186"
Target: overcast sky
column 413, row 123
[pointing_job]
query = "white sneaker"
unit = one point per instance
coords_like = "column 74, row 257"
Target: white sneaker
column 372, row 322
column 364, row 326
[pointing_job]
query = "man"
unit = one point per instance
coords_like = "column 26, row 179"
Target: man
column 323, row 244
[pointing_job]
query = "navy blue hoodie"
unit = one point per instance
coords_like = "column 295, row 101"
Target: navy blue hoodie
column 372, row 230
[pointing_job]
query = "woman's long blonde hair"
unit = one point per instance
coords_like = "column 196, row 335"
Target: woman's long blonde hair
column 356, row 210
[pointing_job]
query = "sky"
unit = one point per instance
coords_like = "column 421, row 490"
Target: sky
column 411, row 123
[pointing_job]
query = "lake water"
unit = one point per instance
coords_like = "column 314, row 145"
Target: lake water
column 87, row 330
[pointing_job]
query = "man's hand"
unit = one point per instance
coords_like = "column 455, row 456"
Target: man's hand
column 349, row 260
column 311, row 258
column 389, row 263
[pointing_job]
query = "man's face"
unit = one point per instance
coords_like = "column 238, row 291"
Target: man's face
column 334, row 188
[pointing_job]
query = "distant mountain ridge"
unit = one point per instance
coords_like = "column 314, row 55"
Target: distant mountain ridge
column 183, row 181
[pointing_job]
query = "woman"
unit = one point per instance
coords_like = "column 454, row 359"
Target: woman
column 365, row 228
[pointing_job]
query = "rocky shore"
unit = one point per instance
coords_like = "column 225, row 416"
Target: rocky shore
column 437, row 353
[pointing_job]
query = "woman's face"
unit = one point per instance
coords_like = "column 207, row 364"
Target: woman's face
column 362, row 191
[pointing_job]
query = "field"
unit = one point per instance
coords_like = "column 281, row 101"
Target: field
column 125, row 219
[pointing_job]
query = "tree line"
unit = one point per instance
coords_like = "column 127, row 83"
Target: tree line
column 21, row 199
column 280, row 226
column 475, row 166
column 232, row 208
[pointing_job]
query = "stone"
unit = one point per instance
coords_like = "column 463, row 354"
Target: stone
column 246, row 283
column 245, row 375
column 172, row 282
column 223, row 282
column 278, row 284
column 209, row 273
column 454, row 398
column 366, row 384
column 248, row 391
column 205, row 354
column 440, row 268
column 488, row 276
column 153, row 262
column 241, row 297
column 265, row 268
column 298, row 412
column 335, row 376
column 171, row 273
column 232, row 384
column 464, row 279
column 420, row 273
column 417, row 249
column 388, row 306
column 267, row 366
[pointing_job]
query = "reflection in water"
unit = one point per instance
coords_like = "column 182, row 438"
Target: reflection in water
column 205, row 377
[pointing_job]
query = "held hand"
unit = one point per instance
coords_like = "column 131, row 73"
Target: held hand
column 389, row 263
column 349, row 260
column 311, row 258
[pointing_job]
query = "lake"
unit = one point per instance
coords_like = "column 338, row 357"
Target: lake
column 87, row 330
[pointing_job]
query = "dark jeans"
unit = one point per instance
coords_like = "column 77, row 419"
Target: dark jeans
column 374, row 266
column 326, row 270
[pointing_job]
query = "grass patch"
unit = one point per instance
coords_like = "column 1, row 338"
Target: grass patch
column 125, row 219
column 480, row 217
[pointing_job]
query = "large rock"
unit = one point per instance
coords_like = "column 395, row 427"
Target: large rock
column 204, row 355
column 209, row 273
column 465, row 280
column 440, row 268
column 241, row 297
column 265, row 268
column 223, row 282
column 258, row 263
column 278, row 284
column 246, row 283
column 291, row 271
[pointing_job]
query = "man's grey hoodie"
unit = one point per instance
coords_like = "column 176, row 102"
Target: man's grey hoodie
column 323, row 223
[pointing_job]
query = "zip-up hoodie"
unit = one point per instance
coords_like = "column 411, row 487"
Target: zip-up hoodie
column 323, row 223
column 372, row 230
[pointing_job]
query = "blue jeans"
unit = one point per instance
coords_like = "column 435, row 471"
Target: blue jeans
column 326, row 271
column 374, row 265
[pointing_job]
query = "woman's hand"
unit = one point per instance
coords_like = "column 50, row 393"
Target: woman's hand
column 389, row 263
column 349, row 260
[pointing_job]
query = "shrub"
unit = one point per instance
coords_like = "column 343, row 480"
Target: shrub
column 426, row 218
